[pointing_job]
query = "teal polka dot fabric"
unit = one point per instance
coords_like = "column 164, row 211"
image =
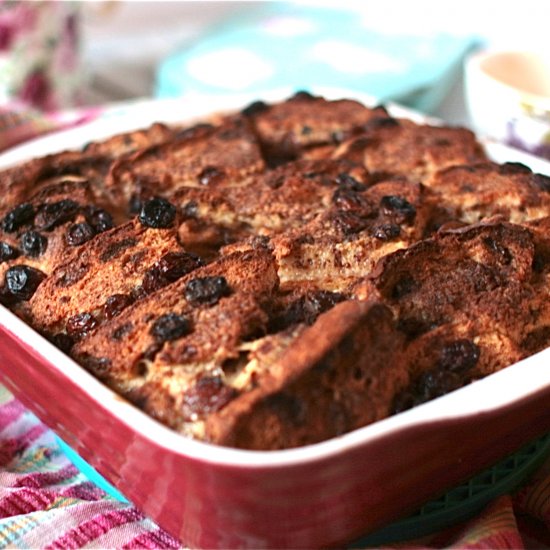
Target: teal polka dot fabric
column 284, row 45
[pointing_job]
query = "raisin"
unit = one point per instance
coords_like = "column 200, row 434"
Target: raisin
column 308, row 308
column 387, row 231
column 114, row 250
column 54, row 214
column 208, row 395
column 23, row 280
column 120, row 332
column 349, row 222
column 80, row 324
column 170, row 326
column 33, row 243
column 62, row 341
column 255, row 108
column 206, row 290
column 168, row 269
column 79, row 233
column 7, row 252
column 98, row 365
column 157, row 213
column 18, row 217
column 347, row 181
column 346, row 199
column 98, row 218
column 459, row 356
column 115, row 304
column 399, row 207
column 211, row 175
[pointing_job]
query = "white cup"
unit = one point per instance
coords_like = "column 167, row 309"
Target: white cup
column 508, row 98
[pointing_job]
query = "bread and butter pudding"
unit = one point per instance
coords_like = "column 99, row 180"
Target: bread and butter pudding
column 282, row 275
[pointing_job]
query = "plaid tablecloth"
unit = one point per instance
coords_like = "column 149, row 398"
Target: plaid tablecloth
column 45, row 502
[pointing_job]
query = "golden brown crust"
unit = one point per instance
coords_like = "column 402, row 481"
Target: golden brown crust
column 400, row 147
column 280, row 276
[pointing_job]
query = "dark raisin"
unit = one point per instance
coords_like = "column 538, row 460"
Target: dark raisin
column 120, row 332
column 206, row 290
column 80, row 324
column 98, row 365
column 114, row 250
column 63, row 341
column 255, row 108
column 349, row 182
column 18, row 217
column 459, row 356
column 157, row 213
column 307, row 309
column 54, row 214
column 211, row 175
column 7, row 252
column 98, row 218
column 399, row 207
column 79, row 233
column 387, row 231
column 349, row 222
column 115, row 304
column 208, row 395
column 33, row 243
column 306, row 130
column 171, row 267
column 23, row 280
column 170, row 326
column 346, row 199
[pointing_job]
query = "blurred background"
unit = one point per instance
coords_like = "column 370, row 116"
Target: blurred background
column 411, row 52
column 61, row 54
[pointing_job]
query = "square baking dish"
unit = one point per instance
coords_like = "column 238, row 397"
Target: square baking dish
column 319, row 495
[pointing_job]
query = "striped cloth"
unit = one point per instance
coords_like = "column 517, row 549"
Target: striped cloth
column 45, row 502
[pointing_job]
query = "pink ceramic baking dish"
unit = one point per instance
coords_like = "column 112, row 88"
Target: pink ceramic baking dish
column 320, row 495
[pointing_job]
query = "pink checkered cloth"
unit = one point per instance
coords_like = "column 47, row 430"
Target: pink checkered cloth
column 45, row 502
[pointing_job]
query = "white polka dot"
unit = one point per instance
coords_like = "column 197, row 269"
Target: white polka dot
column 232, row 68
column 349, row 58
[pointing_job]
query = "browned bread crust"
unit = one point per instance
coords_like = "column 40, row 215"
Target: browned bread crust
column 283, row 275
